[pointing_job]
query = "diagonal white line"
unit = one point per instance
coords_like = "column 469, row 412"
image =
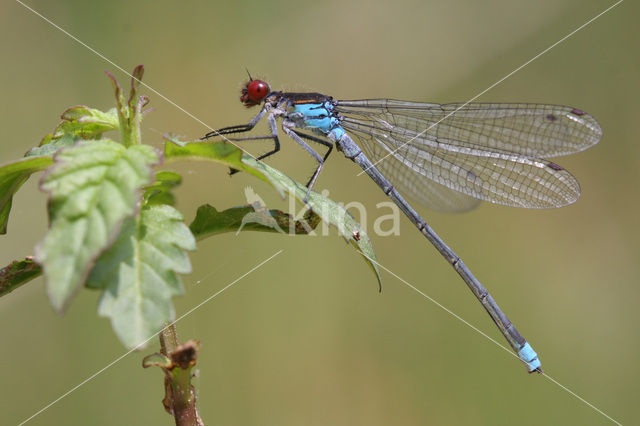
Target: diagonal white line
column 467, row 323
column 141, row 344
column 572, row 393
column 447, row 310
column 496, row 83
column 127, row 73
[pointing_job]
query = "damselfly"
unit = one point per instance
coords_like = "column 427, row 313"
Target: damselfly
column 449, row 157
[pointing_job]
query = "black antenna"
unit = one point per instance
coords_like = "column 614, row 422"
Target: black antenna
column 250, row 78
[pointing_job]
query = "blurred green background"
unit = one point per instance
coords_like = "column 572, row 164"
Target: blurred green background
column 307, row 338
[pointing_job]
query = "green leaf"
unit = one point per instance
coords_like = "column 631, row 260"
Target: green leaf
column 330, row 211
column 78, row 121
column 17, row 273
column 52, row 146
column 86, row 123
column 159, row 192
column 220, row 152
column 209, row 221
column 139, row 273
column 93, row 186
column 12, row 176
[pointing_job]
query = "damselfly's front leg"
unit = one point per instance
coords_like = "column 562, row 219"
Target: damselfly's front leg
column 241, row 128
column 247, row 127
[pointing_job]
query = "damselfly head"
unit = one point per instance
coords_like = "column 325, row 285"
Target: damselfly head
column 254, row 92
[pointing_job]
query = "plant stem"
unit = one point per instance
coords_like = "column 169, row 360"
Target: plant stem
column 180, row 398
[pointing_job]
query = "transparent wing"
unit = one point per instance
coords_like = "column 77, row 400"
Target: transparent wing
column 535, row 130
column 484, row 151
column 427, row 192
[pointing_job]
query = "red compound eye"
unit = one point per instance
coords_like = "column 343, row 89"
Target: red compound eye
column 257, row 90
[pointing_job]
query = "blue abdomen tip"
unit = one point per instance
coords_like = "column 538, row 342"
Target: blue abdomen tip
column 530, row 357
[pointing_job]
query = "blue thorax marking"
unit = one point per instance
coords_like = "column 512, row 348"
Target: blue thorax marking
column 318, row 116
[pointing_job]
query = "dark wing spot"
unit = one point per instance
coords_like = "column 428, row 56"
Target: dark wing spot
column 554, row 166
column 551, row 117
column 578, row 112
